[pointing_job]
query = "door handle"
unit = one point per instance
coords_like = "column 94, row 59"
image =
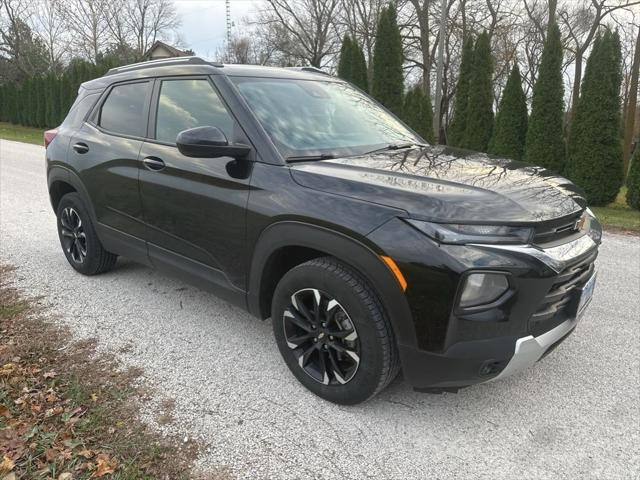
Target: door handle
column 153, row 163
column 81, row 147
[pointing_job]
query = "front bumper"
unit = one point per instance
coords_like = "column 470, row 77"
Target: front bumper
column 472, row 358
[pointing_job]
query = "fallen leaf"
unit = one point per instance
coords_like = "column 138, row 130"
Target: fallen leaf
column 86, row 453
column 50, row 454
column 11, row 476
column 7, row 465
column 65, row 476
column 104, row 465
column 94, row 397
column 4, row 412
column 50, row 374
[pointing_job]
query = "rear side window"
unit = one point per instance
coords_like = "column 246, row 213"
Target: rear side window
column 124, row 109
column 185, row 104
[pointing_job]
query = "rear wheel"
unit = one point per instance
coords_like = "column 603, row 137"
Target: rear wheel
column 333, row 332
column 78, row 238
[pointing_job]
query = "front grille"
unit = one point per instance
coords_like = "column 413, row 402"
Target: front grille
column 558, row 230
column 561, row 300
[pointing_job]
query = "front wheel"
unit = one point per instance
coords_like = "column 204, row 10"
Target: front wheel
column 333, row 332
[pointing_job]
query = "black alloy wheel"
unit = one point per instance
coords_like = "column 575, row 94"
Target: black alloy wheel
column 322, row 336
column 74, row 239
column 333, row 332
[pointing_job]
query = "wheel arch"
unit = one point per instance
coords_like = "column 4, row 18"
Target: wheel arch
column 284, row 245
column 62, row 181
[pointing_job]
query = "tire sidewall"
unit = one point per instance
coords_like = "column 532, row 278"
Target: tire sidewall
column 365, row 383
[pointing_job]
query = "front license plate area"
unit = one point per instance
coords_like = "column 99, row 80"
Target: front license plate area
column 586, row 294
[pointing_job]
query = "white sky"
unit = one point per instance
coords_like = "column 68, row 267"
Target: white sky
column 203, row 22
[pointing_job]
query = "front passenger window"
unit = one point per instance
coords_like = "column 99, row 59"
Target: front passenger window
column 185, row 104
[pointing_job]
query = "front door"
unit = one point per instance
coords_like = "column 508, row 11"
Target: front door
column 194, row 208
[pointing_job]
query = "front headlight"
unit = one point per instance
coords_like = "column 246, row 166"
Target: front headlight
column 461, row 234
column 483, row 288
column 591, row 226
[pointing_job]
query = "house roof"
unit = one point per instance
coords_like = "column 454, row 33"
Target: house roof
column 173, row 50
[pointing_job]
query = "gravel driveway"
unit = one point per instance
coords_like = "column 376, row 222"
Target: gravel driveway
column 576, row 414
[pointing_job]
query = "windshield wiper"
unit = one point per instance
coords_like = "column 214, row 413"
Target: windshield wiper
column 395, row 146
column 305, row 158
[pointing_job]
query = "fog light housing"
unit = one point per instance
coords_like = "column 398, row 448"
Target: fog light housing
column 482, row 288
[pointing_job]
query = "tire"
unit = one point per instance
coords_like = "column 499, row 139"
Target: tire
column 78, row 238
column 355, row 326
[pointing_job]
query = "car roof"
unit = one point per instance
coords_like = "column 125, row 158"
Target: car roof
column 199, row 66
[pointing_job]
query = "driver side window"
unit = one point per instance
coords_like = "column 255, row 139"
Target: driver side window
column 185, row 104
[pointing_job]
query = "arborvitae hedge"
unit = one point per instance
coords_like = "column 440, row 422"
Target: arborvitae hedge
column 633, row 181
column 595, row 149
column 458, row 125
column 418, row 112
column 388, row 79
column 43, row 101
column 480, row 107
column 545, row 141
column 510, row 130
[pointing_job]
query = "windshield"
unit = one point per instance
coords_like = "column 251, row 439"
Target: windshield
column 315, row 118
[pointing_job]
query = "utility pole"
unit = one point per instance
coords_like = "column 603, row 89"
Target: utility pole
column 440, row 71
column 228, row 12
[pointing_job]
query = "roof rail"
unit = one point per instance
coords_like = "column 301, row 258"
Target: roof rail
column 310, row 69
column 161, row 63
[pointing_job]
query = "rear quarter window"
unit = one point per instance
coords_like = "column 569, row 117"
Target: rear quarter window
column 80, row 108
column 124, row 110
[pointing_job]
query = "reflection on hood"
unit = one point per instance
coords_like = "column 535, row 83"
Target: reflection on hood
column 448, row 184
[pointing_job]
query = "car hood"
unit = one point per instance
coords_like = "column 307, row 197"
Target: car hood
column 446, row 184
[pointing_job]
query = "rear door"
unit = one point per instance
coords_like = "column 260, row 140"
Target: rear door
column 194, row 207
column 105, row 152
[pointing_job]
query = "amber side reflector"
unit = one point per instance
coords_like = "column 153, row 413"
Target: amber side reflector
column 396, row 271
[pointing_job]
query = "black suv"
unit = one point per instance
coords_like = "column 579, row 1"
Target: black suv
column 296, row 196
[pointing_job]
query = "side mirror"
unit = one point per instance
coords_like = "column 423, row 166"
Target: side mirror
column 208, row 142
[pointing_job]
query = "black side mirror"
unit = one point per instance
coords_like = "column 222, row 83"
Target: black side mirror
column 208, row 142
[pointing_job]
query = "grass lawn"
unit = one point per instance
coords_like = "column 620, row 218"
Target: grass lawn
column 19, row 133
column 618, row 215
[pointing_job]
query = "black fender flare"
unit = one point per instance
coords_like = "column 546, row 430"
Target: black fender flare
column 59, row 173
column 354, row 253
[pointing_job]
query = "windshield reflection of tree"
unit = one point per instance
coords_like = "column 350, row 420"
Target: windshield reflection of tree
column 313, row 116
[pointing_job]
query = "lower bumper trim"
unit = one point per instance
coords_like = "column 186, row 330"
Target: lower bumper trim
column 528, row 350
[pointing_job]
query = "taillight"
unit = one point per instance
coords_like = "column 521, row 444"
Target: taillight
column 49, row 135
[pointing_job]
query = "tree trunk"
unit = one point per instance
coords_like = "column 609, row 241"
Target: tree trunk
column 632, row 103
column 437, row 114
column 575, row 91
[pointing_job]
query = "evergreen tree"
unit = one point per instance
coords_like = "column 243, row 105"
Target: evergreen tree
column 388, row 79
column 545, row 143
column 352, row 66
column 633, row 181
column 510, row 130
column 345, row 62
column 480, row 106
column 359, row 72
column 418, row 112
column 595, row 150
column 459, row 122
